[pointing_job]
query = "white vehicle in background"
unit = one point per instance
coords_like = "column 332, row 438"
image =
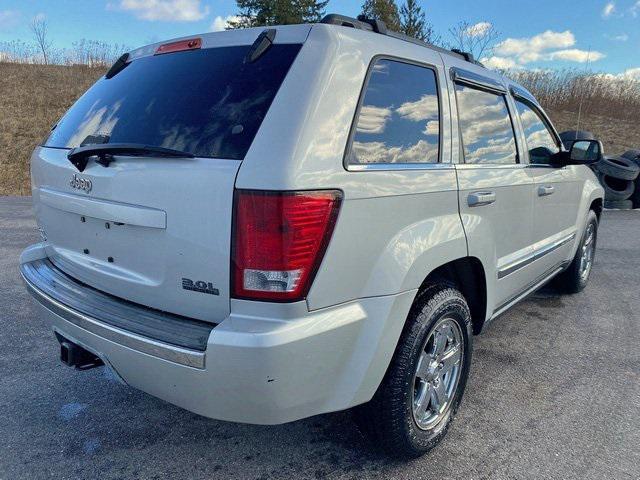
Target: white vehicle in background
column 263, row 225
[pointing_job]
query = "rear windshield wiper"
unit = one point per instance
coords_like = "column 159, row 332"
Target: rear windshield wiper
column 79, row 156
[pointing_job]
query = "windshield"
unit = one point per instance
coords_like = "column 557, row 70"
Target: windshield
column 206, row 102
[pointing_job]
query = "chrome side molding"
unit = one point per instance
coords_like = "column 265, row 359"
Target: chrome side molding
column 532, row 257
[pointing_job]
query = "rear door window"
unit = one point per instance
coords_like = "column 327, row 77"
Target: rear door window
column 207, row 102
column 485, row 126
column 399, row 119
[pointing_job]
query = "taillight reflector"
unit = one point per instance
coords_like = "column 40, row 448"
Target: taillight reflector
column 179, row 46
column 279, row 240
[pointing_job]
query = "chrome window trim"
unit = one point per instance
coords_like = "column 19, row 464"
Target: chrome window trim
column 474, row 166
column 171, row 353
column 533, row 256
column 391, row 167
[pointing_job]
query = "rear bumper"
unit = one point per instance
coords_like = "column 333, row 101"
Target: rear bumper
column 264, row 364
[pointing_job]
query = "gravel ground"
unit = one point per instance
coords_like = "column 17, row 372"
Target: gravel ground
column 554, row 393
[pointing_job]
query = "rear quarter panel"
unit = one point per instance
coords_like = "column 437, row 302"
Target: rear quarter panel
column 394, row 226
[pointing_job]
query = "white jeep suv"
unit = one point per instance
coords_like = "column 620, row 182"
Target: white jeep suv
column 267, row 224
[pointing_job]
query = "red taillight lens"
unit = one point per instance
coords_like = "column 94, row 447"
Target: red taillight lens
column 279, row 240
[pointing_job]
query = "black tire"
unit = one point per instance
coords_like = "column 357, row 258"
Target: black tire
column 572, row 280
column 616, row 189
column 618, row 204
column 571, row 136
column 619, row 167
column 635, row 197
column 388, row 419
column 632, row 155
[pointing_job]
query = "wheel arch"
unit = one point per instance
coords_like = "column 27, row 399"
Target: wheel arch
column 467, row 274
column 597, row 206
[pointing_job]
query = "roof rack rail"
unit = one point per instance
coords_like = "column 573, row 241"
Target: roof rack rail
column 378, row 26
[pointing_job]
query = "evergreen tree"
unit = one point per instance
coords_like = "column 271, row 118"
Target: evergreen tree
column 413, row 22
column 384, row 10
column 257, row 13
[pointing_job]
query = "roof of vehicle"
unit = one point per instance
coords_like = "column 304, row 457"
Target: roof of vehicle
column 299, row 33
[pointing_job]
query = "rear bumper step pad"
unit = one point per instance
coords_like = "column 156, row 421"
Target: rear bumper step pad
column 49, row 283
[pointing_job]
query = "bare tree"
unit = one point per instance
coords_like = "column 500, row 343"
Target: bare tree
column 478, row 39
column 40, row 33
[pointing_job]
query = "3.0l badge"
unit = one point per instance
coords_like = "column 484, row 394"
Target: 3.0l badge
column 80, row 183
column 199, row 286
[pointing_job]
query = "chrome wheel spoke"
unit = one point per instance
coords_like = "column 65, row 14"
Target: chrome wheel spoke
column 422, row 402
column 422, row 372
column 439, row 396
column 450, row 359
column 440, row 341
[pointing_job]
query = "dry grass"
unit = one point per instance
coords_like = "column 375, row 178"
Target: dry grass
column 617, row 135
column 610, row 105
column 33, row 97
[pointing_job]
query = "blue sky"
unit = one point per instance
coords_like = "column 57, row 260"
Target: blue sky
column 535, row 33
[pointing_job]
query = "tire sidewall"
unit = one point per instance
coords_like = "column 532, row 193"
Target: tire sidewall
column 430, row 314
column 591, row 219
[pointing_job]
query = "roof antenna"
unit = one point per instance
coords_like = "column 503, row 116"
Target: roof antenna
column 586, row 69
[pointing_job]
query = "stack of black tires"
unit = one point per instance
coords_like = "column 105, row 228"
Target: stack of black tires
column 619, row 175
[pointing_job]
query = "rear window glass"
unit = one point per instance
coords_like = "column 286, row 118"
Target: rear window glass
column 399, row 120
column 206, row 102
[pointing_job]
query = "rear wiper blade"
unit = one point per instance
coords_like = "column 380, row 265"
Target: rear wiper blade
column 79, row 156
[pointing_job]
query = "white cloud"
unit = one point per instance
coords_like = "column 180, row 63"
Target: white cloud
column 221, row 23
column 500, row 63
column 635, row 9
column 575, row 55
column 432, row 128
column 633, row 73
column 608, row 10
column 165, row 10
column 547, row 46
column 544, row 41
column 623, row 37
column 478, row 29
column 425, row 108
column 8, row 19
column 373, row 119
column 379, row 152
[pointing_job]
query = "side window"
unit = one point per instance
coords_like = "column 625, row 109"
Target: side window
column 485, row 126
column 398, row 121
column 540, row 141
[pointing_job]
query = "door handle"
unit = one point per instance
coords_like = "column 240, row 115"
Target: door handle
column 478, row 199
column 545, row 190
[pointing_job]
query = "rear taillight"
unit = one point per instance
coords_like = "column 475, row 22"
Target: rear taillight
column 279, row 239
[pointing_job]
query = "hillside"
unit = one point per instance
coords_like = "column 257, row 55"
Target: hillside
column 34, row 96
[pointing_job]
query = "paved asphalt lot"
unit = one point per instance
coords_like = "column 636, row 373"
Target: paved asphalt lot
column 554, row 393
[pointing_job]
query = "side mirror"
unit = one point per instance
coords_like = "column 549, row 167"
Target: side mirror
column 585, row 152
